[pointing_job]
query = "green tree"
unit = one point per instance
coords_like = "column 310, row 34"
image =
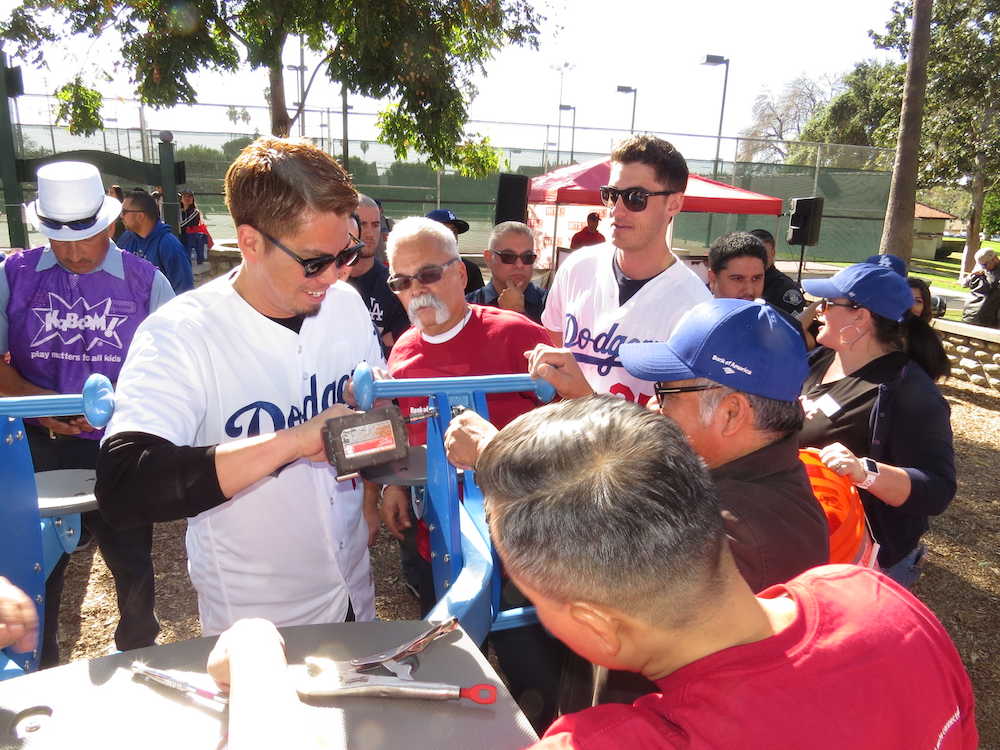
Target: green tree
column 420, row 54
column 960, row 141
column 865, row 113
column 991, row 214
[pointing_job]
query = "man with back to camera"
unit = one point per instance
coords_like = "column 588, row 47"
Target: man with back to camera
column 66, row 311
column 223, row 398
column 588, row 235
column 369, row 276
column 779, row 288
column 838, row 657
column 511, row 258
column 149, row 237
column 631, row 289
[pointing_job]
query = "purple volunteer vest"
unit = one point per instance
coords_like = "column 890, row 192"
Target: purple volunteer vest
column 63, row 326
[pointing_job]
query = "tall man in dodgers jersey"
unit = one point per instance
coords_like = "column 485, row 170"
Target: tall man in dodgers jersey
column 222, row 400
column 628, row 290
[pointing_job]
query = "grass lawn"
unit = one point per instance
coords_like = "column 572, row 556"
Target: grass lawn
column 940, row 273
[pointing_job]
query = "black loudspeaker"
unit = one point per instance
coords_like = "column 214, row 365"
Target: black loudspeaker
column 512, row 198
column 803, row 227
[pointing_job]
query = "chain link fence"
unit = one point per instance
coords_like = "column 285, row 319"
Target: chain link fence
column 853, row 179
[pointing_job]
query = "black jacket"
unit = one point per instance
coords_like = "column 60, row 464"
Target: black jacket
column 775, row 525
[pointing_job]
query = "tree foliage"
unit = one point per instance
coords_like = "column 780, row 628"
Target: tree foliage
column 864, row 113
column 420, row 54
column 960, row 142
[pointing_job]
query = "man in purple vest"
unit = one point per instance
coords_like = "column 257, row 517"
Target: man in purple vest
column 66, row 311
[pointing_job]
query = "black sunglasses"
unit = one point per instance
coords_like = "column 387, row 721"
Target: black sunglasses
column 400, row 282
column 662, row 391
column 634, row 198
column 74, row 224
column 509, row 257
column 825, row 303
column 315, row 266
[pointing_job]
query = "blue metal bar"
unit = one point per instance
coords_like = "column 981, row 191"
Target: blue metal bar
column 367, row 389
column 518, row 617
column 96, row 402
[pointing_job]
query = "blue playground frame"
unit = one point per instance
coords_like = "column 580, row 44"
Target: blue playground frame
column 465, row 567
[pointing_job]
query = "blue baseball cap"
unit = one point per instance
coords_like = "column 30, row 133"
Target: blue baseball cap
column 743, row 345
column 875, row 287
column 894, row 262
column 447, row 216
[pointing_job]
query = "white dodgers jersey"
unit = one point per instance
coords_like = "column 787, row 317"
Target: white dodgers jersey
column 583, row 305
column 209, row 369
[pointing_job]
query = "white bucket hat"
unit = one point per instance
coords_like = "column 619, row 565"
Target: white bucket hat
column 71, row 195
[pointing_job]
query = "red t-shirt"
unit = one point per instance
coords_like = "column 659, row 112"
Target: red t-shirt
column 864, row 665
column 585, row 237
column 492, row 342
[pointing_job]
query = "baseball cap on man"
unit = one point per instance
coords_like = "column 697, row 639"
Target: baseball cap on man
column 875, row 287
column 71, row 203
column 447, row 216
column 741, row 344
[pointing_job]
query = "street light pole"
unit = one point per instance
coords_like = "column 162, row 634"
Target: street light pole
column 562, row 68
column 719, row 60
column 572, row 139
column 634, row 92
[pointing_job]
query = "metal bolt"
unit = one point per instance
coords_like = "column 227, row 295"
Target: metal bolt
column 431, row 527
column 38, row 567
column 447, row 583
column 19, row 435
column 9, row 439
column 39, row 598
column 57, row 522
column 70, row 532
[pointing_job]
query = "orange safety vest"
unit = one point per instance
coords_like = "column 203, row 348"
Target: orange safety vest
column 851, row 539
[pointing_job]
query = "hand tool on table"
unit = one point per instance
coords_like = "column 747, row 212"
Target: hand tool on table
column 324, row 678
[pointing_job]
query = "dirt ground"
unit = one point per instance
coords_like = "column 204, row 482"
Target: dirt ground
column 961, row 580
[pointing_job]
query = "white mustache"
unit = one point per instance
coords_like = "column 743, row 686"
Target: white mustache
column 423, row 301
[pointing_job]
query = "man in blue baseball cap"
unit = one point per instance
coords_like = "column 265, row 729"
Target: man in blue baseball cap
column 730, row 376
column 473, row 276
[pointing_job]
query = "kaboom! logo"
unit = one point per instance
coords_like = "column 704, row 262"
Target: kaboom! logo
column 68, row 322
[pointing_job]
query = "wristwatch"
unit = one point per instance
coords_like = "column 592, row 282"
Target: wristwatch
column 871, row 474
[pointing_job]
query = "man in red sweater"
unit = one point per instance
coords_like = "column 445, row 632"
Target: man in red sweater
column 639, row 578
column 451, row 338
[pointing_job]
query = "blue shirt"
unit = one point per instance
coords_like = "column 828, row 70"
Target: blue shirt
column 534, row 299
column 112, row 264
column 162, row 248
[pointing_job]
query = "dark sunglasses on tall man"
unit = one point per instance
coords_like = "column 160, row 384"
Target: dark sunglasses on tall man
column 633, row 198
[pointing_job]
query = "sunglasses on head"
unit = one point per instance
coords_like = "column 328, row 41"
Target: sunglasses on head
column 316, row 265
column 663, row 391
column 825, row 303
column 509, row 257
column 74, row 224
column 400, row 282
column 633, row 198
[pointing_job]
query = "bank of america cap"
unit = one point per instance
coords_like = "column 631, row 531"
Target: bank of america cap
column 743, row 345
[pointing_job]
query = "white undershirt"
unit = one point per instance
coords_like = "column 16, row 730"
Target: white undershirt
column 451, row 333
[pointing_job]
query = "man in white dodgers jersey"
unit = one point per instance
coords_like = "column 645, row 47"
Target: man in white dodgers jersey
column 628, row 290
column 222, row 399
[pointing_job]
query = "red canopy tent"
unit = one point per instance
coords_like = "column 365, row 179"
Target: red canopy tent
column 579, row 184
